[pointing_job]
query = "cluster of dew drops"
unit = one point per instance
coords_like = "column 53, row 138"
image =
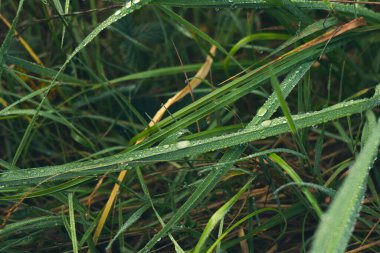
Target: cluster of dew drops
column 231, row 3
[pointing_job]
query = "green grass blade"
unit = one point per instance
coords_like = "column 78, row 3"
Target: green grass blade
column 72, row 222
column 263, row 4
column 337, row 223
column 43, row 71
column 241, row 221
column 67, row 6
column 297, row 179
column 248, row 39
column 32, row 224
column 132, row 219
column 217, row 216
column 178, row 248
column 177, row 151
column 33, row 193
column 282, row 218
column 284, row 105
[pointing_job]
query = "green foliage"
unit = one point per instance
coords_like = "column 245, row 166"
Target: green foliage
column 282, row 104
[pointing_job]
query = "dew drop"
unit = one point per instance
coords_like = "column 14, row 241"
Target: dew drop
column 266, row 123
column 261, row 112
column 117, row 12
column 182, row 144
column 165, row 146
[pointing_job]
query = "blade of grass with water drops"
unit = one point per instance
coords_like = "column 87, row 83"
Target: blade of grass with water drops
column 73, row 233
column 36, row 175
column 181, row 149
column 345, row 208
column 352, row 10
column 32, row 224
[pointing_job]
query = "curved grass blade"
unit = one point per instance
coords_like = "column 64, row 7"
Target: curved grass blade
column 134, row 217
column 217, row 216
column 297, row 179
column 241, row 221
column 285, row 215
column 248, row 39
column 337, row 223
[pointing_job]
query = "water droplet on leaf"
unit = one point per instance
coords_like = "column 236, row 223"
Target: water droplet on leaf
column 261, row 112
column 182, row 144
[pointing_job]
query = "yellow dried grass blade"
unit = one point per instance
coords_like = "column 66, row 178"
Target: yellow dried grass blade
column 23, row 42
column 200, row 75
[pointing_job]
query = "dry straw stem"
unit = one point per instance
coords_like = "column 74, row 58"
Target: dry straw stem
column 355, row 23
column 23, row 42
column 198, row 78
column 326, row 37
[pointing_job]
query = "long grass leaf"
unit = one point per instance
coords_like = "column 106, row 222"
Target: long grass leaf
column 337, row 223
column 73, row 231
column 263, row 4
column 182, row 149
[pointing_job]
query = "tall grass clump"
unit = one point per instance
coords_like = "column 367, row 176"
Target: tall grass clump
column 189, row 126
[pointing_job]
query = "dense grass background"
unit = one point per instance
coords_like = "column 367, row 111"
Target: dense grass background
column 271, row 122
